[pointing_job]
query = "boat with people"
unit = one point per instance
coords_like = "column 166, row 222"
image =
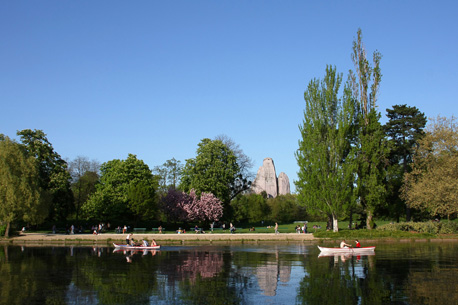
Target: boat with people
column 139, row 247
column 349, row 250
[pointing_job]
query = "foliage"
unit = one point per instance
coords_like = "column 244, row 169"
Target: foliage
column 285, row 209
column 181, row 206
column 443, row 227
column 20, row 192
column 371, row 143
column 250, row 208
column 169, row 174
column 84, row 175
column 53, row 175
column 242, row 180
column 433, row 183
column 404, row 128
column 212, row 171
column 111, row 199
column 325, row 155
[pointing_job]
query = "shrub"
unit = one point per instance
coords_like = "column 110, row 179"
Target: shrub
column 448, row 227
column 422, row 227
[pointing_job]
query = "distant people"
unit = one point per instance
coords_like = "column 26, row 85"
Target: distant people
column 231, row 228
column 276, row 228
column 160, row 229
column 211, row 226
column 358, row 245
column 124, row 229
column 196, row 229
column 304, row 228
column 343, row 244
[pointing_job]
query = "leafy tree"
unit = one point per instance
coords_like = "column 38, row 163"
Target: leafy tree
column 169, row 173
column 20, row 192
column 372, row 146
column 250, row 208
column 285, row 209
column 325, row 156
column 212, row 171
column 53, row 174
column 84, row 175
column 432, row 185
column 244, row 177
column 111, row 199
column 141, row 200
column 171, row 205
column 404, row 129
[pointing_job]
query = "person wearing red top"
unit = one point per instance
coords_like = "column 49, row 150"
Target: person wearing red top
column 358, row 245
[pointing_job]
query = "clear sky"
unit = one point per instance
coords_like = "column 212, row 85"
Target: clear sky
column 107, row 78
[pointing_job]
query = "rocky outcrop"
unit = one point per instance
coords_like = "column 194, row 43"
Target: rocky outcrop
column 266, row 180
column 283, row 184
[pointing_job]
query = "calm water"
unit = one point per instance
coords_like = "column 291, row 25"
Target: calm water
column 401, row 273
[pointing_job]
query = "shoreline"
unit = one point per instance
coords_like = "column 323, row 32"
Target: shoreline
column 107, row 239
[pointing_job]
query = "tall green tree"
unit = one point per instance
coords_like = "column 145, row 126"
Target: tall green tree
column 112, row 200
column 213, row 170
column 52, row 169
column 20, row 191
column 404, row 128
column 432, row 185
column 169, row 174
column 85, row 176
column 325, row 155
column 244, row 177
column 372, row 146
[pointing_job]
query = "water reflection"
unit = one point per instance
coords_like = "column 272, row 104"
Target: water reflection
column 411, row 273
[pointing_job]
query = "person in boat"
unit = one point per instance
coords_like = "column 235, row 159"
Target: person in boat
column 129, row 238
column 145, row 243
column 343, row 244
column 153, row 243
column 358, row 245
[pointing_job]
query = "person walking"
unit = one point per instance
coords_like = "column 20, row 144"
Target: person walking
column 276, row 228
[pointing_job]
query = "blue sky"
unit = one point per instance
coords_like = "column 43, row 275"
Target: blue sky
column 107, row 78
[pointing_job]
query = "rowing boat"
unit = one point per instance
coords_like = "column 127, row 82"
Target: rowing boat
column 129, row 247
column 347, row 250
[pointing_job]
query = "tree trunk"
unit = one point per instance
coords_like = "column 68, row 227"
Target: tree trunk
column 369, row 220
column 335, row 224
column 7, row 231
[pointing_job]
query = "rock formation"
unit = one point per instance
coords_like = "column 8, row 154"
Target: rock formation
column 266, row 180
column 283, row 184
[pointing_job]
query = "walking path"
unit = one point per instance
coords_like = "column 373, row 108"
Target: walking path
column 107, row 238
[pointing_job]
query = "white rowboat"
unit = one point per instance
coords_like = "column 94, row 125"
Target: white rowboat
column 361, row 250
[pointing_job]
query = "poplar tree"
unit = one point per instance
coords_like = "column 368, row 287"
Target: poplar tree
column 372, row 145
column 326, row 155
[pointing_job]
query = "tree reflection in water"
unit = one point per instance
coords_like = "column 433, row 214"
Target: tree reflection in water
column 410, row 273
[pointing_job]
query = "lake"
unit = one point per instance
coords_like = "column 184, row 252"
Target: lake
column 241, row 273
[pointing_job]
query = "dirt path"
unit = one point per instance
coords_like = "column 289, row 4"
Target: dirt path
column 37, row 238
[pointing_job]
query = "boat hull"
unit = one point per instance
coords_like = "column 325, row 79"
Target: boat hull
column 129, row 247
column 347, row 250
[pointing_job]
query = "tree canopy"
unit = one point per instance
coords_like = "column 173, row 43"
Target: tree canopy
column 432, row 185
column 53, row 175
column 20, row 191
column 325, row 156
column 114, row 198
column 213, row 170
